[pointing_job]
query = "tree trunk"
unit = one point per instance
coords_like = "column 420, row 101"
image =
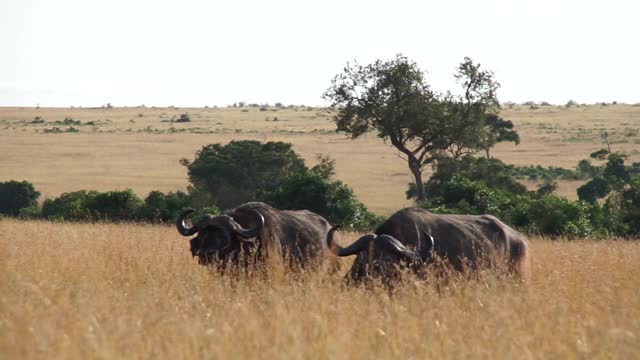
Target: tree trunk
column 416, row 171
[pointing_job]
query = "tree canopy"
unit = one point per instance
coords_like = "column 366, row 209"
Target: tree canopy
column 614, row 176
column 241, row 171
column 16, row 195
column 393, row 99
column 231, row 174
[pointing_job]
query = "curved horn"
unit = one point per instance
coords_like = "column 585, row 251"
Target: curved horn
column 355, row 248
column 248, row 233
column 427, row 245
column 180, row 224
column 392, row 244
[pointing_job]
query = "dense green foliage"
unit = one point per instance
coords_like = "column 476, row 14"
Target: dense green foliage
column 538, row 172
column 614, row 176
column 629, row 207
column 332, row 199
column 69, row 206
column 160, row 207
column 241, row 171
column 545, row 215
column 16, row 195
column 93, row 206
column 492, row 172
column 609, row 203
column 584, row 170
column 231, row 174
column 112, row 206
column 595, row 189
column 486, row 186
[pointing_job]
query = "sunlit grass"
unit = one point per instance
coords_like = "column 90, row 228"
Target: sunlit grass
column 133, row 291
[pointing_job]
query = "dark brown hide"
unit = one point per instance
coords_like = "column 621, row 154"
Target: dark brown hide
column 380, row 256
column 459, row 240
column 297, row 236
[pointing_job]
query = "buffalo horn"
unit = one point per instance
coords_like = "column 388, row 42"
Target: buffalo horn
column 182, row 227
column 248, row 233
column 427, row 245
column 392, row 244
column 353, row 249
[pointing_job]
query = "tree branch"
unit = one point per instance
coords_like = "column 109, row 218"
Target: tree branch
column 400, row 145
column 424, row 144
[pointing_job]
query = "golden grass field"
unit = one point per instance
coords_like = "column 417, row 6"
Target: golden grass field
column 106, row 291
column 71, row 291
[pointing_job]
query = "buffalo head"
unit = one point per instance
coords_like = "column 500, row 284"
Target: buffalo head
column 379, row 256
column 218, row 237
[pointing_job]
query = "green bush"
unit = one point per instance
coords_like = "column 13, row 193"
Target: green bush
column 593, row 190
column 241, row 171
column 630, row 205
column 16, row 195
column 615, row 171
column 615, row 176
column 231, row 174
column 31, row 212
column 546, row 215
column 554, row 216
column 162, row 208
column 464, row 196
column 116, row 206
column 492, row 172
column 480, row 186
column 621, row 210
column 92, row 206
column 538, row 172
column 331, row 199
column 586, row 170
column 69, row 206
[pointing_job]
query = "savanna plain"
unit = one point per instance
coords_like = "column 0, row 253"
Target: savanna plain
column 74, row 290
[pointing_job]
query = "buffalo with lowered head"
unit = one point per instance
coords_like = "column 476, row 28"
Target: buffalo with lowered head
column 250, row 233
column 413, row 237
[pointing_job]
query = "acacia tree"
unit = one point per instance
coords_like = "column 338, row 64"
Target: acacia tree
column 614, row 176
column 393, row 99
column 499, row 130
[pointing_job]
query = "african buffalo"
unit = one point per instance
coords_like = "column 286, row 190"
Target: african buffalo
column 414, row 237
column 250, row 233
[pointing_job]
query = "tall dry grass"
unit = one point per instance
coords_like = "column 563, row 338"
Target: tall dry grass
column 133, row 291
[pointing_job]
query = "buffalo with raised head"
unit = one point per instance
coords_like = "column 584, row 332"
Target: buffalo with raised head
column 250, row 233
column 413, row 237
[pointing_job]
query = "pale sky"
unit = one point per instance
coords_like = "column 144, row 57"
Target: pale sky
column 197, row 53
